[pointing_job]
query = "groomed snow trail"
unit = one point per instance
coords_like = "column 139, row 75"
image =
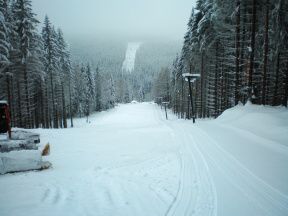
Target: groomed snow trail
column 132, row 161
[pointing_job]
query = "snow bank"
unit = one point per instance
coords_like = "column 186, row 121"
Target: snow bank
column 265, row 121
column 246, row 151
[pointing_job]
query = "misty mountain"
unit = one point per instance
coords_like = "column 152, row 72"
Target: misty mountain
column 109, row 54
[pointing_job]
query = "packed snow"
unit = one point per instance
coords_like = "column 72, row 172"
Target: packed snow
column 132, row 161
column 129, row 62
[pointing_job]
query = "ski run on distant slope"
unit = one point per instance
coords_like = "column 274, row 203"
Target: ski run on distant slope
column 129, row 62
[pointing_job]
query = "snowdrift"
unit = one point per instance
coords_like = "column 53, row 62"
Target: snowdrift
column 265, row 121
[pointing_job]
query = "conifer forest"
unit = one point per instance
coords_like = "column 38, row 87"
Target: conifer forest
column 239, row 48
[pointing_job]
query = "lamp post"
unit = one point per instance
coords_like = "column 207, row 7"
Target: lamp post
column 191, row 78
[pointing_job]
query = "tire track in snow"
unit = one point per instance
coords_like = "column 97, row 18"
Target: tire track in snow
column 186, row 195
column 212, row 193
column 202, row 198
column 249, row 184
column 53, row 195
column 193, row 182
column 182, row 201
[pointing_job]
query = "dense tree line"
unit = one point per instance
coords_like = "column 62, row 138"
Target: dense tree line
column 38, row 80
column 240, row 49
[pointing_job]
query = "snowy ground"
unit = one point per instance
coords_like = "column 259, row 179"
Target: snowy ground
column 129, row 62
column 131, row 161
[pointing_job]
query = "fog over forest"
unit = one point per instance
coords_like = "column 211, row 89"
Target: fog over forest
column 114, row 18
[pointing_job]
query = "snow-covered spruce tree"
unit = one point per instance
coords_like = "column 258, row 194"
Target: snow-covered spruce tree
column 108, row 92
column 50, row 65
column 277, row 88
column 175, row 88
column 70, row 91
column 251, row 89
column 5, row 75
column 98, row 90
column 4, row 43
column 266, row 53
column 285, row 32
column 227, row 26
column 161, row 85
column 89, row 91
column 112, row 95
column 4, row 54
column 210, row 44
column 80, row 88
column 25, row 27
column 37, row 74
column 64, row 70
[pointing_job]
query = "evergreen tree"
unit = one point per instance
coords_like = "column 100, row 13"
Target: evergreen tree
column 4, row 43
column 89, row 91
column 64, row 69
column 50, row 64
column 25, row 27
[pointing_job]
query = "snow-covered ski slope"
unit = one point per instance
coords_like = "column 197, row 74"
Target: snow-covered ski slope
column 132, row 161
column 129, row 61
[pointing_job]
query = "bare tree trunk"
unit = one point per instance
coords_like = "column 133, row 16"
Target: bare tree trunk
column 48, row 113
column 252, row 49
column 266, row 46
column 216, row 80
column 243, row 68
column 275, row 95
column 27, row 99
column 182, row 98
column 222, row 96
column 70, row 101
column 202, row 115
column 188, row 108
column 226, row 84
column 19, row 105
column 9, row 93
column 64, row 113
column 42, row 110
column 13, row 103
column 237, row 44
column 57, row 125
column 37, row 112
column 53, row 113
column 285, row 98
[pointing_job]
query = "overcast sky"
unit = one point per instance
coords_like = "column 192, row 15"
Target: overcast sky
column 128, row 18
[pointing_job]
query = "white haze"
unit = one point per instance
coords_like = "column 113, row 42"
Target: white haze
column 118, row 18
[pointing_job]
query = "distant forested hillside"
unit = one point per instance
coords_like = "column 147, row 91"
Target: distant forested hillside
column 108, row 55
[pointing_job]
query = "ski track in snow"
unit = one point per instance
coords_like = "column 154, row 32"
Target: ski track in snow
column 129, row 62
column 132, row 161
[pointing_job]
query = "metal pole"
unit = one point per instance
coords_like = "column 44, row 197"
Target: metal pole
column 191, row 99
column 166, row 111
